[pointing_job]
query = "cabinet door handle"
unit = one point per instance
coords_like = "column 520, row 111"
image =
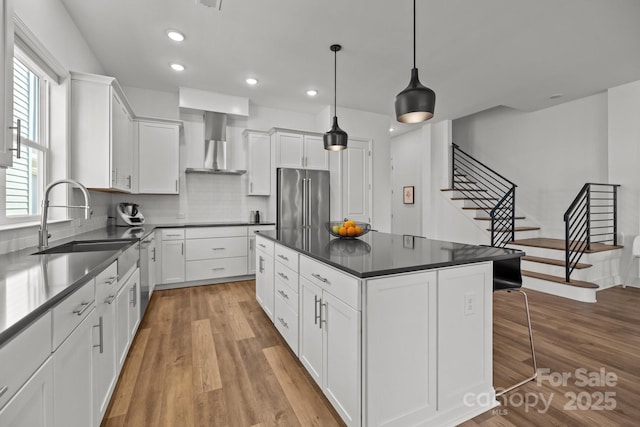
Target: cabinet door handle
column 319, row 277
column 283, row 257
column 284, row 276
column 100, row 325
column 110, row 299
column 316, row 316
column 18, row 128
column 3, row 390
column 283, row 293
column 83, row 307
column 285, row 324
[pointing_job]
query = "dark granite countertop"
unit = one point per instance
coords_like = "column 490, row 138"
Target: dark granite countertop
column 32, row 284
column 379, row 254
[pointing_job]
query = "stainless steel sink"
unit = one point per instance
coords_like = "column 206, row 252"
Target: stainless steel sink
column 85, row 246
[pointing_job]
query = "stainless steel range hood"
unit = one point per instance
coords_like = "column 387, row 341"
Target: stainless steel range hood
column 215, row 146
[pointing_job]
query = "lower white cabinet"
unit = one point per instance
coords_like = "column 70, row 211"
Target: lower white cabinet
column 32, row 405
column 173, row 261
column 264, row 283
column 72, row 384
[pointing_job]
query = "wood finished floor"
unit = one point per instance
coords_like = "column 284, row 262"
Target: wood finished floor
column 208, row 356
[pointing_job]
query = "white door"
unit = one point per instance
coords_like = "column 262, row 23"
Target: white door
column 265, row 283
column 159, row 151
column 341, row 326
column 104, row 357
column 315, row 156
column 406, row 171
column 134, row 303
column 72, row 379
column 356, row 181
column 173, row 261
column 122, row 325
column 32, row 405
column 259, row 165
column 289, row 150
column 310, row 344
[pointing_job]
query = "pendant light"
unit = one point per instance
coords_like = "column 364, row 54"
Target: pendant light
column 335, row 139
column 416, row 102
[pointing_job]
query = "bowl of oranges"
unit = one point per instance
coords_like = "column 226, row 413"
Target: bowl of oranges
column 348, row 229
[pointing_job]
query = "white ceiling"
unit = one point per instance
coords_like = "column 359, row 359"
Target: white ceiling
column 475, row 54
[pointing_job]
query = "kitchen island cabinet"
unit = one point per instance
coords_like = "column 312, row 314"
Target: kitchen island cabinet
column 395, row 334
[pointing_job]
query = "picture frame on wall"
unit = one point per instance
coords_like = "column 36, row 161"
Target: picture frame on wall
column 407, row 195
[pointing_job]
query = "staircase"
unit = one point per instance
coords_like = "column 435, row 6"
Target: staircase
column 576, row 267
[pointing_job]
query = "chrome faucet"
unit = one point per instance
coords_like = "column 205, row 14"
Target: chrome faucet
column 43, row 233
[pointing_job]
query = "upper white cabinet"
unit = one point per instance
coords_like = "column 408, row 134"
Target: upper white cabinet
column 300, row 150
column 158, row 156
column 258, row 163
column 101, row 133
column 6, row 83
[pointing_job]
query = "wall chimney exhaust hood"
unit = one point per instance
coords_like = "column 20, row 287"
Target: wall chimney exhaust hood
column 215, row 146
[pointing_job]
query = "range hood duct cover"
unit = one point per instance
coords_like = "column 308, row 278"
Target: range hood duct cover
column 215, row 146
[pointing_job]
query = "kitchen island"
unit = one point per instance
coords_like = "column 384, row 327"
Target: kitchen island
column 396, row 330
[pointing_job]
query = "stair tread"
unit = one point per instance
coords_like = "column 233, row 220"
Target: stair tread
column 559, row 244
column 523, row 228
column 558, row 279
column 489, row 218
column 474, row 198
column 551, row 261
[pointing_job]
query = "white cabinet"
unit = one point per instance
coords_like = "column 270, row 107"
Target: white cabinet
column 258, row 163
column 72, row 378
column 6, row 83
column 173, row 261
column 329, row 345
column 101, row 132
column 264, row 282
column 158, row 156
column 300, row 150
column 32, row 406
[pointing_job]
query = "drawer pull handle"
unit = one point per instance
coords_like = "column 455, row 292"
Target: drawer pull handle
column 3, row 390
column 283, row 293
column 83, row 307
column 218, row 249
column 284, row 276
column 217, row 268
column 285, row 324
column 283, row 257
column 110, row 299
column 319, row 277
column 111, row 280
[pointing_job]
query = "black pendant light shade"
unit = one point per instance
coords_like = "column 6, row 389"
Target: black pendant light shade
column 335, row 139
column 416, row 102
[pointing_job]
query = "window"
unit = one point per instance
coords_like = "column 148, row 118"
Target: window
column 25, row 179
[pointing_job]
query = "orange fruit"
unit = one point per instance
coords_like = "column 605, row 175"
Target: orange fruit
column 351, row 231
column 358, row 229
column 342, row 231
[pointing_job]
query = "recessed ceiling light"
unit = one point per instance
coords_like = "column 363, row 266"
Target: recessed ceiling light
column 312, row 92
column 251, row 81
column 392, row 129
column 556, row 96
column 174, row 35
column 177, row 67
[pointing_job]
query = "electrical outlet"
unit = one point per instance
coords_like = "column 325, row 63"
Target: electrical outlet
column 470, row 302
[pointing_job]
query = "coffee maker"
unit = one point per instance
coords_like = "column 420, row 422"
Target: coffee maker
column 128, row 215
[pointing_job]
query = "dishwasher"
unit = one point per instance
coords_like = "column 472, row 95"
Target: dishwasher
column 147, row 270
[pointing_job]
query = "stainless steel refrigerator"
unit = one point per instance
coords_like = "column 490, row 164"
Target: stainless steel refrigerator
column 303, row 198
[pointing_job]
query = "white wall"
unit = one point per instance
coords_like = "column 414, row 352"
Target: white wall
column 549, row 153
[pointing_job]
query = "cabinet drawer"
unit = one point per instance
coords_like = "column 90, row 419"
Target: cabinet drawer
column 207, row 232
column 335, row 282
column 287, row 294
column 286, row 275
column 21, row 357
column 286, row 321
column 172, row 233
column 70, row 312
column 265, row 245
column 286, row 256
column 223, row 247
column 215, row 268
column 107, row 283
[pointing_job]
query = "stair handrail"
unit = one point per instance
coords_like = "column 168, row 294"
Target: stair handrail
column 578, row 222
column 502, row 213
